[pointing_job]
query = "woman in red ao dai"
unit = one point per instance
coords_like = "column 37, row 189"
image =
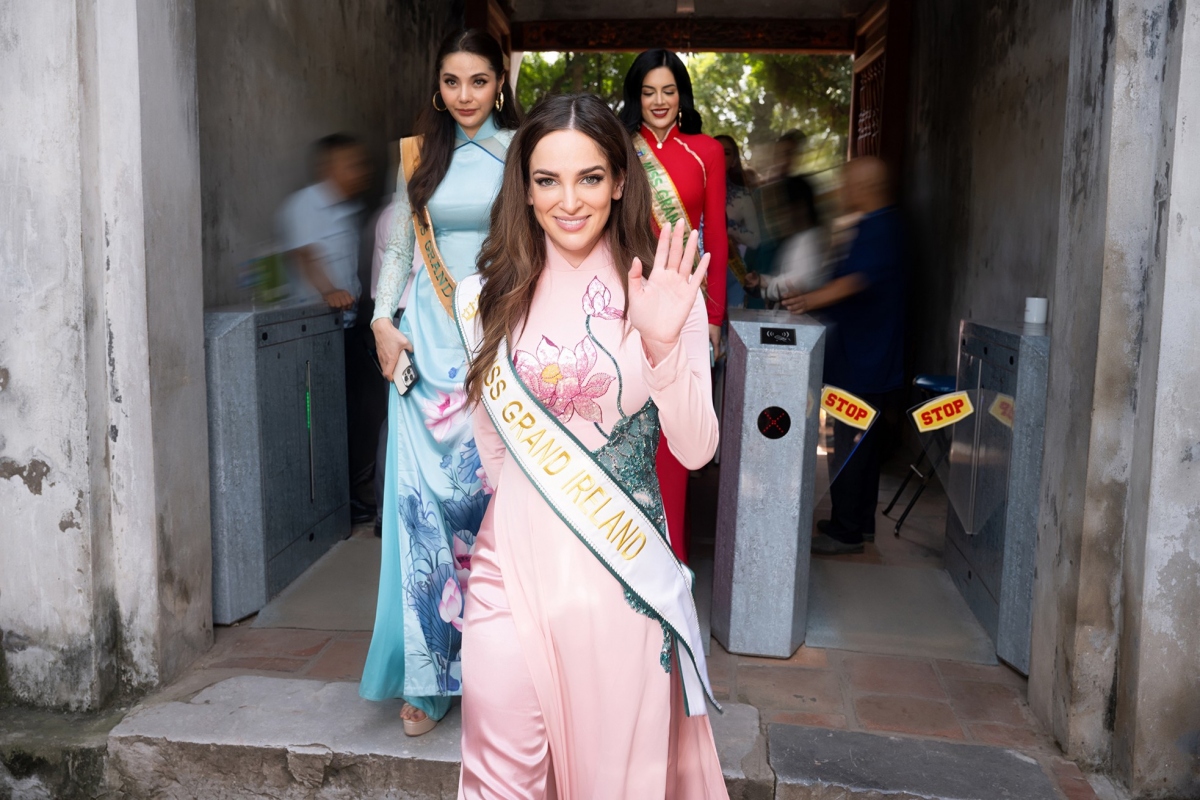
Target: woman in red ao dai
column 659, row 113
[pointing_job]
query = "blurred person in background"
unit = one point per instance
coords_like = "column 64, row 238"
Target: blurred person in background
column 435, row 494
column 687, row 181
column 779, row 196
column 318, row 226
column 741, row 220
column 318, row 230
column 864, row 351
column 802, row 261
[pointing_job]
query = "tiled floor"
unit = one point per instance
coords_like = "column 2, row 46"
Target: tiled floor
column 920, row 697
column 816, row 688
column 883, row 694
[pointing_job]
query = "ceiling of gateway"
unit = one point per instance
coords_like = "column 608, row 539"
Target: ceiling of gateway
column 659, row 9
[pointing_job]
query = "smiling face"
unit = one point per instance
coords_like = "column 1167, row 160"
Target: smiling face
column 468, row 86
column 660, row 100
column 571, row 189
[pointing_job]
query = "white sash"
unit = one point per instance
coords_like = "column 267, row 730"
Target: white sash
column 590, row 502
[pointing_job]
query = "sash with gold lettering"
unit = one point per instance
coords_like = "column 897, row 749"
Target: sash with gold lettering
column 593, row 504
column 443, row 282
column 665, row 202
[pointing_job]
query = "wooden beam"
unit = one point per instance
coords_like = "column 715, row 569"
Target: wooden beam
column 688, row 34
column 492, row 16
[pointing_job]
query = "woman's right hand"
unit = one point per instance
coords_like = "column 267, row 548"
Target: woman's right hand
column 389, row 341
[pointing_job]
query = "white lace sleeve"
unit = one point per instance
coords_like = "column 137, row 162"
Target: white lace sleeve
column 397, row 255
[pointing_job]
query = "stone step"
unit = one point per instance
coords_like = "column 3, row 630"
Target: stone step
column 819, row 764
column 50, row 754
column 286, row 739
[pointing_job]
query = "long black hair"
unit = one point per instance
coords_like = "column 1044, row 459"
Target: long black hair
column 438, row 126
column 631, row 111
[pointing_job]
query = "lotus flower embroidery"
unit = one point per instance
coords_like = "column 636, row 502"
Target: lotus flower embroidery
column 558, row 377
column 597, row 302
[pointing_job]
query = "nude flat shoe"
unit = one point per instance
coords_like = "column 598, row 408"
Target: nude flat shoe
column 417, row 727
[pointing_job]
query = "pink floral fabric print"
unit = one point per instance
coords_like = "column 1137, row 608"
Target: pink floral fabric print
column 559, row 378
column 445, row 415
column 597, row 302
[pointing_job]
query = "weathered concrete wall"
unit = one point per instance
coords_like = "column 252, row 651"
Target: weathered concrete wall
column 988, row 92
column 46, row 423
column 273, row 78
column 1116, row 639
column 1068, row 689
column 105, row 575
column 170, row 157
column 1106, row 222
column 1156, row 746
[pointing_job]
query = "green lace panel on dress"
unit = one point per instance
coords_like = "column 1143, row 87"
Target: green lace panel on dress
column 629, row 456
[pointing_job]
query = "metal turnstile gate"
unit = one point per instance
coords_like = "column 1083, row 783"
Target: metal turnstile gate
column 765, row 507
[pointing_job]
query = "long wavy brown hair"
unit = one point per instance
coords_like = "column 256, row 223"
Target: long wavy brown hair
column 514, row 253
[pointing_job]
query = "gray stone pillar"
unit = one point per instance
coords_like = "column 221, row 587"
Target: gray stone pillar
column 106, row 572
column 765, row 505
column 1116, row 636
column 1156, row 741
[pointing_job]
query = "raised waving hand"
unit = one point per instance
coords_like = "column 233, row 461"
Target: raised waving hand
column 659, row 303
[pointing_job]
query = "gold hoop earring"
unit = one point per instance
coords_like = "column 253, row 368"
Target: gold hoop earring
column 436, row 95
column 500, row 101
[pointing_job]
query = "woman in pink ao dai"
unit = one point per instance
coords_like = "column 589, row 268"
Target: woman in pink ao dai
column 570, row 689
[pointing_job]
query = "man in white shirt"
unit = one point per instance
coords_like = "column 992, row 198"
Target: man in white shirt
column 318, row 226
column 318, row 231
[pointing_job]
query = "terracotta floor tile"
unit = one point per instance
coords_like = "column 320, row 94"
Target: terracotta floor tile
column 808, row 720
column 789, row 689
column 282, row 642
column 888, row 675
column 342, row 661
column 962, row 671
column 268, row 663
column 988, row 702
column 1011, row 736
column 811, row 657
column 1071, row 781
column 916, row 715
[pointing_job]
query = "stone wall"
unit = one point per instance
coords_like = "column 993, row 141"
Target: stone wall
column 1152, row 288
column 276, row 76
column 105, row 575
column 47, row 427
column 984, row 161
column 1054, row 152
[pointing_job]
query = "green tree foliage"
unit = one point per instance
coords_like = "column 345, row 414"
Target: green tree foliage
column 602, row 74
column 753, row 97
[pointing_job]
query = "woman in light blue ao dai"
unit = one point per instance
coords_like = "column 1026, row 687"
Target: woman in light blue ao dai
column 435, row 493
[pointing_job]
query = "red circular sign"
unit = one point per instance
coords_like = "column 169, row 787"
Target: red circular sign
column 774, row 422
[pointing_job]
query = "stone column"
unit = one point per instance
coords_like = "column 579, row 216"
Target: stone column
column 105, row 582
column 1116, row 633
column 1156, row 718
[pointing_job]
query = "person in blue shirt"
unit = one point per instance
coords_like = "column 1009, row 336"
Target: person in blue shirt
column 863, row 306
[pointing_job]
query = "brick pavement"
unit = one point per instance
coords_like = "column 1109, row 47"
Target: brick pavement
column 836, row 689
column 926, row 698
